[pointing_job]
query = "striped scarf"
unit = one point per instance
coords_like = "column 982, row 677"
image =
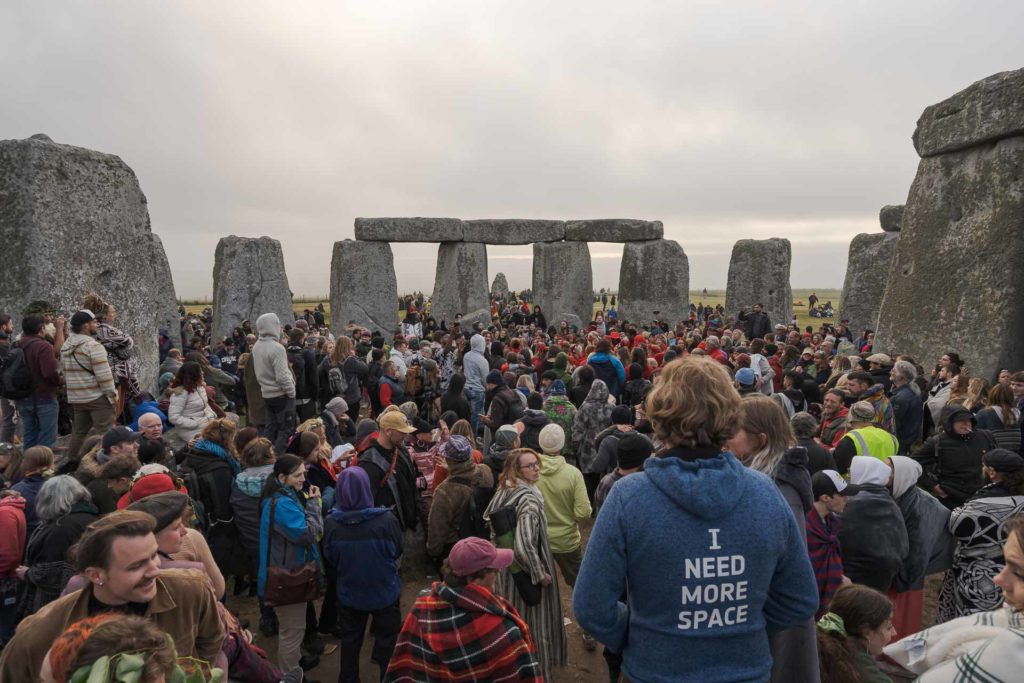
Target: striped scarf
column 823, row 548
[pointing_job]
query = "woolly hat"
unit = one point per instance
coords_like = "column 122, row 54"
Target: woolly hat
column 506, row 436
column 621, row 415
column 862, row 411
column 165, row 507
column 558, row 388
column 153, row 482
column 633, row 448
column 494, row 377
column 746, row 377
column 457, row 448
column 552, row 439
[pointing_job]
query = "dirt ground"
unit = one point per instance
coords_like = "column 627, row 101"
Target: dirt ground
column 582, row 665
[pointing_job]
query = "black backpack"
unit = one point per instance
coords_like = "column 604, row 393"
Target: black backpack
column 473, row 523
column 16, row 381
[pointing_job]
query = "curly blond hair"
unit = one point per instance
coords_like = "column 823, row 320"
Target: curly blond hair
column 693, row 404
column 95, row 303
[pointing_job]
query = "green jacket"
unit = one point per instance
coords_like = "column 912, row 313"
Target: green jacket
column 565, row 502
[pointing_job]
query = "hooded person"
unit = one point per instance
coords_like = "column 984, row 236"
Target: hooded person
column 363, row 543
column 533, row 422
column 873, row 535
column 952, row 458
column 608, row 368
column 636, row 386
column 926, row 520
column 608, row 440
column 979, row 530
column 505, row 439
column 565, row 502
column 562, row 412
column 594, row 415
column 561, row 367
column 276, row 381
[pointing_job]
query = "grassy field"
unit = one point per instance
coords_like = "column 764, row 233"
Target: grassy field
column 712, row 298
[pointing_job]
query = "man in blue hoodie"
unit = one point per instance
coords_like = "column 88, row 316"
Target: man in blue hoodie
column 475, row 368
column 714, row 556
column 363, row 544
column 608, row 368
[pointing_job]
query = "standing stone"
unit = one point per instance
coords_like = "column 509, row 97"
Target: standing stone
column 654, row 281
column 364, row 289
column 167, row 301
column 499, row 287
column 891, row 217
column 248, row 280
column 613, row 230
column 74, row 221
column 956, row 282
column 867, row 270
column 759, row 274
column 563, row 282
column 460, row 282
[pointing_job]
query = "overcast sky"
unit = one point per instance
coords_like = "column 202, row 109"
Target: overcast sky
column 724, row 120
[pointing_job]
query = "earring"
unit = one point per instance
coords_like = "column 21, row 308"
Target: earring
column 101, row 583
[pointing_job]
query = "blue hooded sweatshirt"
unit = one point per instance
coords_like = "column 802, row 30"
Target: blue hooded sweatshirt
column 363, row 544
column 713, row 558
column 608, row 369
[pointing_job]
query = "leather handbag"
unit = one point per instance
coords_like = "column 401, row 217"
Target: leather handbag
column 289, row 586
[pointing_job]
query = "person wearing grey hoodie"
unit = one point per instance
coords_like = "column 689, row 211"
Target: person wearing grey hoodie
column 276, row 381
column 475, row 368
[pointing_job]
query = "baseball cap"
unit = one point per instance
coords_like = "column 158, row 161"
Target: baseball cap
column 117, row 435
column 82, row 317
column 396, row 420
column 471, row 555
column 829, row 483
column 880, row 358
column 746, row 377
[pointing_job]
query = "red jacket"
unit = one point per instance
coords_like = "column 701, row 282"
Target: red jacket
column 12, row 534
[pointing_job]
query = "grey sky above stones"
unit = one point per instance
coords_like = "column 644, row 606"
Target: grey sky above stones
column 723, row 120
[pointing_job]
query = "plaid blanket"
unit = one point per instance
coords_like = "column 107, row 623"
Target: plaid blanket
column 463, row 634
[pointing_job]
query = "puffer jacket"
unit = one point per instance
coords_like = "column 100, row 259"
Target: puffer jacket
column 953, row 461
column 593, row 416
column 189, row 412
column 245, row 501
column 450, row 501
column 533, row 421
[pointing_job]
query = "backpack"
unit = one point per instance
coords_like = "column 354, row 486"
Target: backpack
column 16, row 381
column 337, row 381
column 472, row 523
column 414, row 380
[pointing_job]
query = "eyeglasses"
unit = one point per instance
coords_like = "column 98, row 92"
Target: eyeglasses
column 531, row 466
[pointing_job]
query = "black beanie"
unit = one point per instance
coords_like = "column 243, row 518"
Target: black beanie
column 633, row 449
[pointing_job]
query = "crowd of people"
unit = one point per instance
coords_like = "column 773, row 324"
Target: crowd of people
column 767, row 501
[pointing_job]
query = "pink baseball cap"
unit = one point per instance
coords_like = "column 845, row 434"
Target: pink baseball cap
column 471, row 555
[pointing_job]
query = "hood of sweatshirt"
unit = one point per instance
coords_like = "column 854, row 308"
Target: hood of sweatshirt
column 535, row 418
column 250, row 482
column 551, row 464
column 16, row 502
column 598, row 392
column 268, row 325
column 792, row 470
column 953, row 412
column 905, row 473
column 351, row 517
column 707, row 488
column 477, row 343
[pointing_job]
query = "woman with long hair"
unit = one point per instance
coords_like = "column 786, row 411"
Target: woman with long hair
column 1002, row 417
column 977, row 394
column 36, row 468
column 839, row 366
column 121, row 354
column 852, row 633
column 10, row 464
column 292, row 542
column 189, row 409
column 517, row 489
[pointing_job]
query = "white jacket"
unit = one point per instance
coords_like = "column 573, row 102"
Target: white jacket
column 189, row 412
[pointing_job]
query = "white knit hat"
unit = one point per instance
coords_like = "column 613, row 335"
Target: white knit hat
column 551, row 439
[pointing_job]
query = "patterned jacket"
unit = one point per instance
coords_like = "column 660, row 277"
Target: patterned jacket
column 464, row 634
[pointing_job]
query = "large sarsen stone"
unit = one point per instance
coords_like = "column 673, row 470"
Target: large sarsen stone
column 74, row 221
column 513, row 231
column 248, row 280
column 409, row 229
column 613, row 230
column 654, row 281
column 759, row 273
column 167, row 301
column 867, row 270
column 563, row 282
column 460, row 282
column 500, row 285
column 364, row 289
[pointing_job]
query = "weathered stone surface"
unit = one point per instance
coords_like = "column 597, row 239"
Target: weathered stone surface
column 891, row 217
column 654, row 276
column 74, row 221
column 990, row 109
column 364, row 289
column 867, row 270
column 613, row 230
column 956, row 282
column 249, row 280
column 563, row 281
column 167, row 300
column 759, row 273
column 500, row 285
column 460, row 282
column 513, row 231
column 409, row 229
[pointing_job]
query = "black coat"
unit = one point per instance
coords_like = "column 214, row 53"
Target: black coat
column 873, row 538
column 818, row 457
column 954, row 462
